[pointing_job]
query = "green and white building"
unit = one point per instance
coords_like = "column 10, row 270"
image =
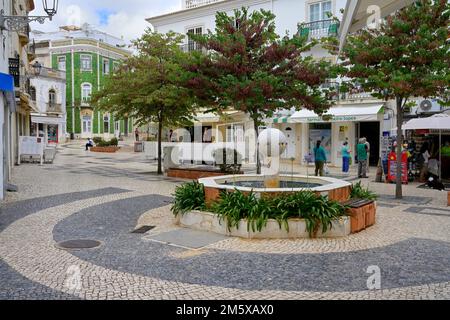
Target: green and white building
column 87, row 56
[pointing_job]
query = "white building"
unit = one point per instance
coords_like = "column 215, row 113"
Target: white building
column 15, row 53
column 354, row 115
column 48, row 94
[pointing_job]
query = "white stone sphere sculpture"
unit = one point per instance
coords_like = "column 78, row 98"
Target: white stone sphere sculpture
column 272, row 142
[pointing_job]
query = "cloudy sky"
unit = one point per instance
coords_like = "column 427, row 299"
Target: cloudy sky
column 120, row 18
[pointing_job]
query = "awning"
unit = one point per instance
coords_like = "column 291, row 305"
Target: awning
column 281, row 120
column 341, row 114
column 47, row 120
column 6, row 82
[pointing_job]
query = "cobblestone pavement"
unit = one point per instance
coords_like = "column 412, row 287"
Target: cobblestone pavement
column 102, row 197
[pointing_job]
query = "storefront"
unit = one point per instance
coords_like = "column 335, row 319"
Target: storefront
column 341, row 123
column 50, row 128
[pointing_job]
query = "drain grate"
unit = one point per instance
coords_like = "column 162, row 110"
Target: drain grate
column 143, row 229
column 79, row 244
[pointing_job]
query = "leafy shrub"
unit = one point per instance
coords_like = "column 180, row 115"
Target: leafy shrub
column 100, row 142
column 357, row 191
column 317, row 211
column 228, row 160
column 189, row 196
column 97, row 140
column 114, row 142
column 234, row 206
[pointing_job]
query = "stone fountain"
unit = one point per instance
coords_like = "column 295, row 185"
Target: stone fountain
column 272, row 143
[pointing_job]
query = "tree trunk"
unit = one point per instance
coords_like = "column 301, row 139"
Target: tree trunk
column 160, row 127
column 398, row 187
column 258, row 159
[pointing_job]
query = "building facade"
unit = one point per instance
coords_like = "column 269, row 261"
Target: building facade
column 16, row 51
column 48, row 94
column 353, row 115
column 87, row 56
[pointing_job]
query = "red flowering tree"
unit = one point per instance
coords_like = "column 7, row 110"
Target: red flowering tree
column 245, row 66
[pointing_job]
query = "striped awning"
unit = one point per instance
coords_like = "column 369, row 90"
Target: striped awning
column 281, row 119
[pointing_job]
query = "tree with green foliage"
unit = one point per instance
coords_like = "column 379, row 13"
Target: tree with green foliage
column 407, row 56
column 247, row 67
column 147, row 86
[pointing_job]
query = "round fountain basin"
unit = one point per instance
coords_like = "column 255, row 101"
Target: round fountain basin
column 335, row 189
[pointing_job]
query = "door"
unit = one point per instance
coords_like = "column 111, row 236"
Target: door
column 117, row 129
column 52, row 131
column 289, row 153
column 87, row 126
column 371, row 131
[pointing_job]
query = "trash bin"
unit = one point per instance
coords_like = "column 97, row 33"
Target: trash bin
column 139, row 146
column 72, row 136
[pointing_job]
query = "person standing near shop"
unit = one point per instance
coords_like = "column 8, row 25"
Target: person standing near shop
column 368, row 154
column 424, row 158
column 136, row 134
column 345, row 157
column 320, row 158
column 361, row 151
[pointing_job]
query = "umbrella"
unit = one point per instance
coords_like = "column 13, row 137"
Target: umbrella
column 439, row 122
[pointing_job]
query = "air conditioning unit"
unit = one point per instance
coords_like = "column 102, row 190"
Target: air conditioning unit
column 428, row 106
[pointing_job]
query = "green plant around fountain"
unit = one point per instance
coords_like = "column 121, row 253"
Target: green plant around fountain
column 318, row 211
column 357, row 191
column 189, row 196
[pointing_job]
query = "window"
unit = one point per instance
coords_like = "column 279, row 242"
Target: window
column 33, row 93
column 86, row 62
column 319, row 11
column 192, row 45
column 62, row 63
column 51, row 97
column 105, row 66
column 86, row 90
column 106, row 123
column 115, row 66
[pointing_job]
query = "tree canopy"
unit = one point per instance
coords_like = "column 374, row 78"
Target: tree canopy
column 147, row 86
column 408, row 56
column 244, row 65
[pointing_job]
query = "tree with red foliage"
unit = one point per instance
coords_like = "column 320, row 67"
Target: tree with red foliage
column 246, row 66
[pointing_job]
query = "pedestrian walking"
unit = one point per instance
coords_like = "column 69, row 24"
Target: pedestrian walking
column 361, row 151
column 345, row 158
column 320, row 158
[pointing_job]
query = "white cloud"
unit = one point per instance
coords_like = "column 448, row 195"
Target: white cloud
column 125, row 18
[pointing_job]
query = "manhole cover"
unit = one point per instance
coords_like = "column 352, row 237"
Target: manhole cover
column 143, row 229
column 79, row 244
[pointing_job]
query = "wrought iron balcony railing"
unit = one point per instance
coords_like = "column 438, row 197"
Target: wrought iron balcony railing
column 319, row 29
column 191, row 47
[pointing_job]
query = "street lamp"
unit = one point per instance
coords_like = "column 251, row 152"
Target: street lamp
column 17, row 23
column 37, row 67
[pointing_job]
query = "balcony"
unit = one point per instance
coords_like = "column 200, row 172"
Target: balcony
column 54, row 108
column 355, row 94
column 52, row 73
column 31, row 51
column 24, row 35
column 319, row 29
column 189, row 4
column 192, row 47
column 85, row 101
